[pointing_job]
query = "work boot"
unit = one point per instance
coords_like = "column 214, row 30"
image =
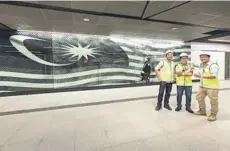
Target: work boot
column 200, row 112
column 167, row 107
column 178, row 108
column 158, row 107
column 212, row 117
column 189, row 110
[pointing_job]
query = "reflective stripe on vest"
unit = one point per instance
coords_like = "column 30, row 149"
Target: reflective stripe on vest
column 167, row 71
column 208, row 83
column 184, row 80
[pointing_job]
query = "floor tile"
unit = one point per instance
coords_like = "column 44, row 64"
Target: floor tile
column 91, row 140
column 122, row 133
column 196, row 141
column 28, row 145
column 133, row 146
column 106, row 149
column 165, row 143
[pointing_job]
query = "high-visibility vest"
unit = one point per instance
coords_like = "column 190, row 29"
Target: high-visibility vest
column 184, row 80
column 167, row 71
column 208, row 83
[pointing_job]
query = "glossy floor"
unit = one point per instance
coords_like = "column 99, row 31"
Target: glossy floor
column 129, row 126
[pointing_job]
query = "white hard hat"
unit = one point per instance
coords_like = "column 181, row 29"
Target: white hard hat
column 204, row 53
column 183, row 55
column 168, row 51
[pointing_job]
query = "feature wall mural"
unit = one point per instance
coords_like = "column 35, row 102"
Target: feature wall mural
column 41, row 60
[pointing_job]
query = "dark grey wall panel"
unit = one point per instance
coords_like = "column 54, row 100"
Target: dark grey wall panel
column 227, row 65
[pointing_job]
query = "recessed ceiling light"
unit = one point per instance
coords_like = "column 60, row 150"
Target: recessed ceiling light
column 86, row 19
column 174, row 28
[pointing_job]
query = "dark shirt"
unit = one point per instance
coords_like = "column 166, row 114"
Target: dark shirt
column 147, row 68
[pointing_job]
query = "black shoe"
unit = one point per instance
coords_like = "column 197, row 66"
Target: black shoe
column 168, row 107
column 178, row 109
column 189, row 110
column 158, row 107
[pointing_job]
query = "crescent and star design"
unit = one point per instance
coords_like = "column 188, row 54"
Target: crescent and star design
column 18, row 42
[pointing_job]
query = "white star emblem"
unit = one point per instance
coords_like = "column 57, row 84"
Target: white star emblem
column 79, row 51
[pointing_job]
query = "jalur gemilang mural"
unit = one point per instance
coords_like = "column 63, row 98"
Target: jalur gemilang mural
column 42, row 60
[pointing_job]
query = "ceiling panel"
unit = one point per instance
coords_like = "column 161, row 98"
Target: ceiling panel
column 184, row 16
column 65, row 29
column 209, row 7
column 125, row 7
column 52, row 15
column 75, row 28
column 155, row 7
column 35, row 15
column 98, row 6
column 194, row 30
column 198, row 17
column 85, row 28
column 110, row 21
column 39, row 26
column 124, row 31
column 7, row 19
column 66, row 4
column 19, row 18
column 162, row 26
column 222, row 22
column 79, row 18
column 42, row 19
column 130, row 23
column 22, row 13
column 103, row 30
column 173, row 15
column 176, row 36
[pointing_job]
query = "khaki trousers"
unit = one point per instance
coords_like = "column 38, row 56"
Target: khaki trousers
column 213, row 97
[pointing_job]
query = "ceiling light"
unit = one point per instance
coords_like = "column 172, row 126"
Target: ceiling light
column 86, row 19
column 174, row 28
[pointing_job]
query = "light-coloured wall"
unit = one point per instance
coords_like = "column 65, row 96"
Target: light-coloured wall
column 217, row 52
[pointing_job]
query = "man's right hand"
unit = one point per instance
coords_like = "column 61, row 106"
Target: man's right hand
column 179, row 73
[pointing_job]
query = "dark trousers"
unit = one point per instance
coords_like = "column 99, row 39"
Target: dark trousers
column 167, row 87
column 188, row 94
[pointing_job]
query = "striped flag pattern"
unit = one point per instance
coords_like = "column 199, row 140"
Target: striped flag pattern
column 41, row 60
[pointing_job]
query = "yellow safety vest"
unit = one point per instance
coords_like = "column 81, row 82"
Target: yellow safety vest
column 167, row 71
column 208, row 83
column 184, row 80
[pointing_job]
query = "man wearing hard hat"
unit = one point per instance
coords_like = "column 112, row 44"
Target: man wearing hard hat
column 184, row 72
column 209, row 86
column 165, row 73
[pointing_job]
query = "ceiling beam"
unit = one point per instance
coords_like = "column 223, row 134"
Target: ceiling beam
column 146, row 5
